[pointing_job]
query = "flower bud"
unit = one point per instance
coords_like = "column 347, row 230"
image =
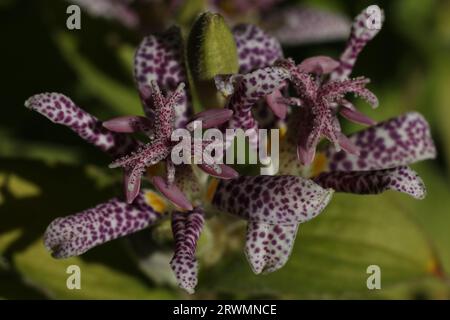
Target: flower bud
column 211, row 51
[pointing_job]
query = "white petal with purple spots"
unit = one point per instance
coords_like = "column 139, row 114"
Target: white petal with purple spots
column 256, row 49
column 402, row 179
column 74, row 235
column 359, row 37
column 62, row 110
column 396, row 142
column 274, row 207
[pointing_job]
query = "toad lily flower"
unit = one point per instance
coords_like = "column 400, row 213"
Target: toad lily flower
column 159, row 64
column 297, row 200
column 368, row 162
column 320, row 83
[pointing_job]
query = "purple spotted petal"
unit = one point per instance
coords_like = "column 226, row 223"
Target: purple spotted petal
column 396, row 142
column 402, row 179
column 186, row 228
column 161, row 58
column 61, row 110
column 129, row 124
column 273, row 206
column 318, row 65
column 272, row 199
column 295, row 25
column 256, row 49
column 119, row 10
column 73, row 235
column 211, row 118
column 359, row 37
column 172, row 192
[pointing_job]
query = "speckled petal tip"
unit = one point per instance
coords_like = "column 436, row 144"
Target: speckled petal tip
column 396, row 142
column 402, row 179
column 273, row 207
column 74, row 235
column 62, row 110
column 186, row 229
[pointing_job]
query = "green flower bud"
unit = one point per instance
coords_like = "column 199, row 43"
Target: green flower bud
column 211, row 50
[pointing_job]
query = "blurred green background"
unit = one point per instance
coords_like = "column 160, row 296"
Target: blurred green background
column 46, row 171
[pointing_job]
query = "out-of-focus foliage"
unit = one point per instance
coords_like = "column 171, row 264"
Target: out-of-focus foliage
column 46, row 171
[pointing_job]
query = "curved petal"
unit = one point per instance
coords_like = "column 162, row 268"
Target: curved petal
column 274, row 206
column 402, row 179
column 62, row 110
column 256, row 49
column 272, row 199
column 396, row 142
column 296, row 25
column 186, row 228
column 359, row 37
column 160, row 58
column 74, row 235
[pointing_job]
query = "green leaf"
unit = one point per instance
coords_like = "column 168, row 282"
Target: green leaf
column 98, row 281
column 333, row 251
column 122, row 99
column 32, row 194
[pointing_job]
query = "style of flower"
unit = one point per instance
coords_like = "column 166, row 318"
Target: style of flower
column 319, row 103
column 160, row 146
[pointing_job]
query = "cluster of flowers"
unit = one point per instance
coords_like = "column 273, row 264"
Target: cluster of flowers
column 306, row 98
